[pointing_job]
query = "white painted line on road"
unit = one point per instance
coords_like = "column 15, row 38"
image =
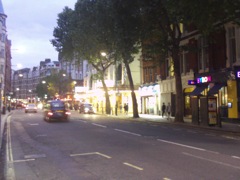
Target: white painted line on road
column 34, row 124
column 236, row 157
column 133, row 166
column 24, row 160
column 166, row 178
column 228, row 137
column 41, row 135
column 104, row 155
column 83, row 154
column 32, row 156
column 213, row 161
column 83, row 121
column 10, row 166
column 127, row 132
column 183, row 145
column 177, row 129
column 190, row 131
column 99, row 125
column 210, row 135
column 92, row 153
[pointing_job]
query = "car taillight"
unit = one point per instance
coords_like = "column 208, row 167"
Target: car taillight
column 50, row 113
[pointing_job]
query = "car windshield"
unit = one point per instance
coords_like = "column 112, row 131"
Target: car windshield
column 57, row 104
column 87, row 105
column 31, row 105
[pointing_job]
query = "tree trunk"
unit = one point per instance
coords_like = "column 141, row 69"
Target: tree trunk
column 178, row 85
column 131, row 85
column 108, row 104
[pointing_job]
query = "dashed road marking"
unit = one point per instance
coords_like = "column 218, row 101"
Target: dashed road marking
column 41, row 135
column 33, row 124
column 99, row 125
column 190, row 131
column 23, row 160
column 82, row 121
column 183, row 145
column 127, row 132
column 34, row 156
column 91, row 153
column 235, row 157
column 213, row 161
column 133, row 166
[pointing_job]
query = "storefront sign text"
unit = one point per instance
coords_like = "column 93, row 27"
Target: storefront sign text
column 204, row 79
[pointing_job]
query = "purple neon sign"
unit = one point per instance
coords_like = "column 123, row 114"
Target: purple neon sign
column 238, row 74
column 204, row 79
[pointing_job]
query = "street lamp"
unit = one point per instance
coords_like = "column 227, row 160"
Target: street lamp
column 103, row 54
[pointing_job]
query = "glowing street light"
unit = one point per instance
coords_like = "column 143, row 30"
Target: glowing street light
column 103, row 54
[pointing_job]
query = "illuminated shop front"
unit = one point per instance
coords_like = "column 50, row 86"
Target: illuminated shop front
column 149, row 95
column 220, row 88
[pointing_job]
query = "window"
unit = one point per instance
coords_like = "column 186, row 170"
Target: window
column 203, row 57
column 2, row 53
column 232, row 45
column 149, row 74
column 167, row 67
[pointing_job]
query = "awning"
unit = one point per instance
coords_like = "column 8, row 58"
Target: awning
column 215, row 88
column 198, row 90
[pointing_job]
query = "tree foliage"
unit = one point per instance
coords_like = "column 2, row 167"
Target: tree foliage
column 120, row 26
column 55, row 84
column 97, row 26
column 163, row 20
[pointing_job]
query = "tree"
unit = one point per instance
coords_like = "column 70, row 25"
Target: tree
column 55, row 84
column 41, row 90
column 162, row 20
column 96, row 26
column 112, row 25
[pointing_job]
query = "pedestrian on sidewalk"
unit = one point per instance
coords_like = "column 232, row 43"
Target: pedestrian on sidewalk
column 168, row 110
column 163, row 109
column 9, row 108
column 126, row 108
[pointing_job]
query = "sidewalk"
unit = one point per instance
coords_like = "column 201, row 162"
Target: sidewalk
column 226, row 126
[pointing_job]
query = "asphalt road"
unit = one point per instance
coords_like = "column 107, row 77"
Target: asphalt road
column 105, row 148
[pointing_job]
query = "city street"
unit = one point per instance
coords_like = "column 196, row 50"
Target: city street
column 104, row 147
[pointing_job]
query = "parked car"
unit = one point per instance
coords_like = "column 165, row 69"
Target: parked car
column 30, row 108
column 56, row 110
column 86, row 108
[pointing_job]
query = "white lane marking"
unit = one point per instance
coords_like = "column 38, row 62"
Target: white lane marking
column 228, row 137
column 166, row 178
column 99, row 125
column 127, row 132
column 41, row 135
column 33, row 124
column 32, row 156
column 10, row 166
column 236, row 157
column 133, row 166
column 210, row 134
column 176, row 129
column 104, row 155
column 183, row 145
column 190, row 131
column 83, row 121
column 83, row 154
column 92, row 153
column 217, row 162
column 24, row 160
